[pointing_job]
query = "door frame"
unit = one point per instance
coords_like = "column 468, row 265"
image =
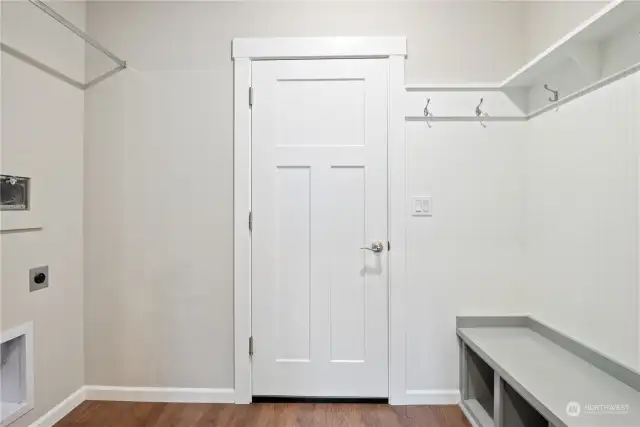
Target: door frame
column 244, row 51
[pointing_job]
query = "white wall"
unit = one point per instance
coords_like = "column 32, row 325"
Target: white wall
column 467, row 259
column 42, row 131
column 546, row 22
column 158, row 175
column 582, row 218
column 581, row 194
column 538, row 217
column 443, row 36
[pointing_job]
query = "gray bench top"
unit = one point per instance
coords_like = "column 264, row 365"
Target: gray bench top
column 550, row 377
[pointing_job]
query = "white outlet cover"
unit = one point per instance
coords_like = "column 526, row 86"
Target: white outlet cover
column 421, row 206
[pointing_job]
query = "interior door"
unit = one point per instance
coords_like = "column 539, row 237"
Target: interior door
column 319, row 195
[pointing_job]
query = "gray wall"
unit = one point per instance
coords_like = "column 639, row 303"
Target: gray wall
column 42, row 131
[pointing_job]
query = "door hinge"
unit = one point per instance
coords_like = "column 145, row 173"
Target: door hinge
column 250, row 96
column 250, row 346
column 250, row 221
column 388, row 246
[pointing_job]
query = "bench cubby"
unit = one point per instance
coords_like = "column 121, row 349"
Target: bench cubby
column 480, row 387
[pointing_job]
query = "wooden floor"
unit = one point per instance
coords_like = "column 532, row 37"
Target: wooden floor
column 125, row 414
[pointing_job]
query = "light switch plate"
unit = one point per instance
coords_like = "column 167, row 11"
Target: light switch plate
column 421, row 206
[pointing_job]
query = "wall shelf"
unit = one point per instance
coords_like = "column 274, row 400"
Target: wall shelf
column 582, row 45
column 602, row 46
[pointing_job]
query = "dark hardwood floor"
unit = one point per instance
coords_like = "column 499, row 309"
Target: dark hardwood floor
column 126, row 414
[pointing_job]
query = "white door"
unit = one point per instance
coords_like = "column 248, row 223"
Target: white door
column 319, row 194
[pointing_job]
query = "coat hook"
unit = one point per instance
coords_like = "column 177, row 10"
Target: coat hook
column 555, row 93
column 428, row 113
column 478, row 110
column 480, row 113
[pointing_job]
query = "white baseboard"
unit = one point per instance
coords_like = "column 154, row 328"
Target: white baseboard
column 432, row 397
column 160, row 394
column 61, row 410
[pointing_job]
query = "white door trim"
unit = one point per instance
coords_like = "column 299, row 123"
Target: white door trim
column 396, row 159
column 246, row 50
column 319, row 47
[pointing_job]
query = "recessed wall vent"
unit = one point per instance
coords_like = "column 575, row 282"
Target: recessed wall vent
column 14, row 193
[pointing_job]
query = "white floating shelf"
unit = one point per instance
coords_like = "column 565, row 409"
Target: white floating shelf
column 581, row 47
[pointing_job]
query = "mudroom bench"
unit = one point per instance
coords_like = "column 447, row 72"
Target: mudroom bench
column 519, row 372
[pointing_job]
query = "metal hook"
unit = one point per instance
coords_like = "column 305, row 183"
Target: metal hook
column 555, row 96
column 480, row 113
column 478, row 110
column 555, row 93
column 428, row 113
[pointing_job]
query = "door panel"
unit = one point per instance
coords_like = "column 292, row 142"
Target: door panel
column 347, row 283
column 319, row 194
column 303, row 121
column 292, row 281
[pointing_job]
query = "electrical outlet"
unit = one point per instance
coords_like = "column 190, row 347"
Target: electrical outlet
column 38, row 278
column 421, row 206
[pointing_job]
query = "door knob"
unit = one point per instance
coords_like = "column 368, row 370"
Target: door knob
column 375, row 247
